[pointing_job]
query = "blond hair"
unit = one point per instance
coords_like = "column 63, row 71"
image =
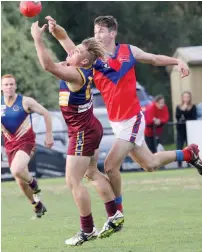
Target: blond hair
column 190, row 95
column 94, row 47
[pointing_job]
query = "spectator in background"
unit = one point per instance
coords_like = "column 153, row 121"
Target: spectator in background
column 184, row 111
column 156, row 115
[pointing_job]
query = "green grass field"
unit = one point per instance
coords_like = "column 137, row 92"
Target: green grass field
column 163, row 213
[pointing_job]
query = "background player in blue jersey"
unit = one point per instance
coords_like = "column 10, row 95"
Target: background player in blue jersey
column 84, row 131
column 19, row 137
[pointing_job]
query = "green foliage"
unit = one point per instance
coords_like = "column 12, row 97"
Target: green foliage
column 20, row 59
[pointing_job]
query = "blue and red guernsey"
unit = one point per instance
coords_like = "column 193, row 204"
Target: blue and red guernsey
column 77, row 106
column 16, row 124
column 116, row 80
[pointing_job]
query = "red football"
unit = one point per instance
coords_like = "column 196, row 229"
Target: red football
column 30, row 8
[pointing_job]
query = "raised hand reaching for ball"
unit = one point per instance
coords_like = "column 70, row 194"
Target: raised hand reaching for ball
column 37, row 31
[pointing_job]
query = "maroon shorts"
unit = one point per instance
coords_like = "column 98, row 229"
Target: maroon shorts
column 29, row 148
column 85, row 142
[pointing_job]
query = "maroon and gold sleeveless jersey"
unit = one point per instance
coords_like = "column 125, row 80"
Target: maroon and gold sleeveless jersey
column 84, row 129
column 77, row 106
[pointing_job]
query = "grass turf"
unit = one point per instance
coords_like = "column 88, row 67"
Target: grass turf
column 162, row 214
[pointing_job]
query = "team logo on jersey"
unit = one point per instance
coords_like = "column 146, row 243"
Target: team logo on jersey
column 105, row 65
column 16, row 108
column 123, row 58
column 3, row 108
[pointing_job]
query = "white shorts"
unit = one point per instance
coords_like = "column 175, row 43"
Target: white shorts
column 131, row 130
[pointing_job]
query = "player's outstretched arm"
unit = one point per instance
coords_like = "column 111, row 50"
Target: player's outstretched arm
column 60, row 34
column 59, row 70
column 159, row 60
column 32, row 105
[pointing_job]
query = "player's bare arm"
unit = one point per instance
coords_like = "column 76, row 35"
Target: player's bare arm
column 61, row 71
column 159, row 60
column 31, row 105
column 69, row 74
column 60, row 34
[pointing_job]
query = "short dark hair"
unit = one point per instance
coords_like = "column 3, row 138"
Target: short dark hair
column 107, row 21
column 158, row 98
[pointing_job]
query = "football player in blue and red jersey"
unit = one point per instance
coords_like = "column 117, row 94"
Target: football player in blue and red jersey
column 19, row 137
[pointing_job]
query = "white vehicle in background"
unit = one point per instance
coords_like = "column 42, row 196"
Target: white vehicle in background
column 143, row 97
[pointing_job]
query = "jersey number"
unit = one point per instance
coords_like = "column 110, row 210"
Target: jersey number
column 88, row 89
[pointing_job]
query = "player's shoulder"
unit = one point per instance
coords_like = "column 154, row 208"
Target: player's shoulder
column 27, row 100
column 69, row 70
column 123, row 46
column 86, row 73
column 86, row 70
column 126, row 48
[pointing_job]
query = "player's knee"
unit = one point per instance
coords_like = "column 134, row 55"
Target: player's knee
column 72, row 183
column 69, row 183
column 89, row 176
column 149, row 167
column 91, row 173
column 16, row 173
column 112, row 165
column 108, row 167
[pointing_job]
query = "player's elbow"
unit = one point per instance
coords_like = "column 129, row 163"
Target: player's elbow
column 51, row 68
column 44, row 112
column 46, row 67
column 47, row 115
column 154, row 60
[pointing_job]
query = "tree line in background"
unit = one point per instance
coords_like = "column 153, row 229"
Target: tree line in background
column 156, row 27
